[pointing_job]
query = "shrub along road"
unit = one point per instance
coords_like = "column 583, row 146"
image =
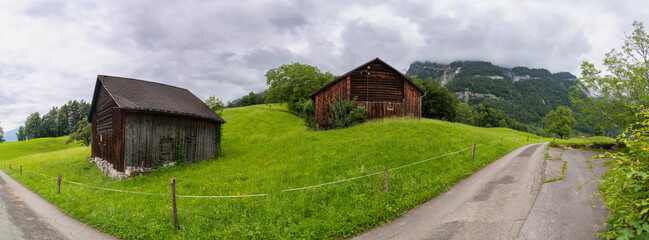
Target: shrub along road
column 506, row 200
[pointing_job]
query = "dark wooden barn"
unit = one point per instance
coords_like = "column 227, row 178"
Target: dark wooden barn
column 137, row 125
column 383, row 91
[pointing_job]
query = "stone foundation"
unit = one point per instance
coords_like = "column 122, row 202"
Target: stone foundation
column 129, row 171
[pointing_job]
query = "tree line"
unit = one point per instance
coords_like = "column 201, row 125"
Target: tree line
column 59, row 121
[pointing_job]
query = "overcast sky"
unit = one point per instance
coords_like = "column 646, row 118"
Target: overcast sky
column 52, row 51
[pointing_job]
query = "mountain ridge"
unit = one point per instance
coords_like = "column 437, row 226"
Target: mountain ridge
column 525, row 94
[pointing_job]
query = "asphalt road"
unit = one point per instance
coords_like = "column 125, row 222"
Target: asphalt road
column 506, row 200
column 26, row 215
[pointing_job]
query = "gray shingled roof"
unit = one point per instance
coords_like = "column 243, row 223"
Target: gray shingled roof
column 140, row 95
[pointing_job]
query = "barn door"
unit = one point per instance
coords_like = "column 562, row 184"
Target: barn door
column 166, row 151
column 189, row 149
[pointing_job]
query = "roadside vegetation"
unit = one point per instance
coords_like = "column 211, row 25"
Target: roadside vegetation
column 590, row 143
column 267, row 150
column 623, row 102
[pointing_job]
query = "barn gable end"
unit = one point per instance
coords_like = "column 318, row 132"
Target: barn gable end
column 383, row 91
column 138, row 125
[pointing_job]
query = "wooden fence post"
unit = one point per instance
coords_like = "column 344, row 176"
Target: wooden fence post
column 173, row 203
column 21, row 169
column 385, row 186
column 10, row 166
column 554, row 138
column 528, row 138
column 473, row 152
column 58, row 185
column 501, row 140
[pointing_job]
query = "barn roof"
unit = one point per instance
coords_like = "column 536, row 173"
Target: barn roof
column 362, row 66
column 140, row 95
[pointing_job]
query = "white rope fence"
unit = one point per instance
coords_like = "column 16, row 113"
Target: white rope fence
column 264, row 194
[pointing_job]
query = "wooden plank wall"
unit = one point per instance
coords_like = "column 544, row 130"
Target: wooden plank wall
column 382, row 109
column 327, row 96
column 380, row 85
column 382, row 91
column 147, row 138
column 412, row 100
column 105, row 136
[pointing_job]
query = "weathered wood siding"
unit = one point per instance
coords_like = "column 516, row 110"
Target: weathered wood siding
column 382, row 91
column 107, row 130
column 412, row 100
column 152, row 138
column 383, row 109
column 327, row 96
column 377, row 84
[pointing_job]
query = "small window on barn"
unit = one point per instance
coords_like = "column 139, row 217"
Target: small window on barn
column 390, row 108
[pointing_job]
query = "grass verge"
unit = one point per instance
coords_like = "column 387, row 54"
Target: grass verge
column 266, row 150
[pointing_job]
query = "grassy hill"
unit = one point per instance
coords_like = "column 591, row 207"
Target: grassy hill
column 267, row 150
column 11, row 150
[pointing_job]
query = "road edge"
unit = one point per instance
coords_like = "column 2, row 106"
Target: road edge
column 51, row 215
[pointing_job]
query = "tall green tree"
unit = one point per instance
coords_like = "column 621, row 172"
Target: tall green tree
column 215, row 104
column 292, row 84
column 21, row 135
column 49, row 124
column 2, row 134
column 33, row 126
column 63, row 124
column 599, row 130
column 83, row 134
column 463, row 113
column 247, row 100
column 438, row 102
column 560, row 122
column 625, row 85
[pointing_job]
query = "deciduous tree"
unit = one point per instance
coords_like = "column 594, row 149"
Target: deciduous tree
column 2, row 134
column 292, row 83
column 83, row 134
column 215, row 104
column 626, row 83
column 560, row 122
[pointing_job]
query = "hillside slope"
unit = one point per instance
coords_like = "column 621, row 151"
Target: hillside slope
column 266, row 151
column 524, row 94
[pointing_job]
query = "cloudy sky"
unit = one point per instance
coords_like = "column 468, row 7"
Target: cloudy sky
column 52, row 51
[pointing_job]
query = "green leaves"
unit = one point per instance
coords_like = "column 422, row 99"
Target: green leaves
column 625, row 188
column 626, row 85
column 215, row 104
column 83, row 134
column 560, row 122
column 292, row 83
column 346, row 113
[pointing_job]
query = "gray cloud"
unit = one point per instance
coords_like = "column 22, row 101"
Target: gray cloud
column 52, row 50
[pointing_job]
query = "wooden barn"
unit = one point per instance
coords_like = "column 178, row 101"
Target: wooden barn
column 383, row 91
column 137, row 125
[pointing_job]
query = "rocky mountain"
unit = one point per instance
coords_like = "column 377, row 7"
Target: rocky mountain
column 526, row 94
